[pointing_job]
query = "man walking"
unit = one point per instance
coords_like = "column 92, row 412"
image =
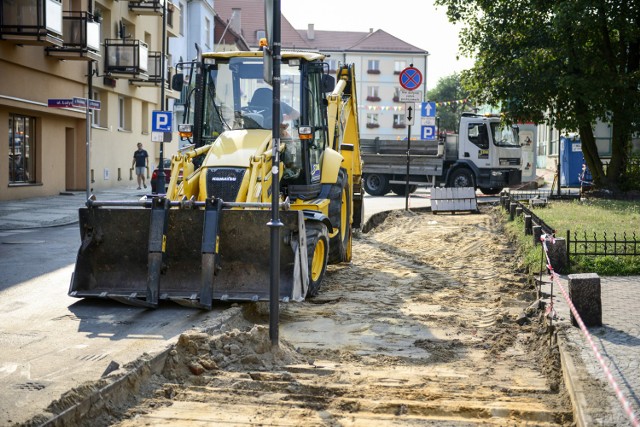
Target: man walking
column 141, row 163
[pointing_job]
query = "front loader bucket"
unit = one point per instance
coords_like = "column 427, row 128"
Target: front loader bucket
column 119, row 256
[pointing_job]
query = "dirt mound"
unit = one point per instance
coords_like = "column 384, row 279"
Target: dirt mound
column 235, row 350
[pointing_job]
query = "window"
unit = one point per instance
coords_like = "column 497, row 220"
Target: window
column 124, row 113
column 207, row 33
column 95, row 115
column 260, row 34
column 22, row 150
column 398, row 121
column 396, row 94
column 478, row 135
column 372, row 94
column 398, row 66
column 373, row 66
column 372, row 120
column 183, row 12
column 333, row 65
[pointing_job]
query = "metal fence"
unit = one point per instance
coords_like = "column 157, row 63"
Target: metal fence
column 603, row 245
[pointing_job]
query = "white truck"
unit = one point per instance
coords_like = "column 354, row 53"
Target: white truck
column 483, row 155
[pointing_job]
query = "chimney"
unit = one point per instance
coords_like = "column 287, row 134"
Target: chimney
column 311, row 34
column 370, row 30
column 235, row 20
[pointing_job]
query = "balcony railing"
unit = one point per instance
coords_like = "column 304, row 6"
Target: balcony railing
column 127, row 58
column 33, row 22
column 81, row 38
column 154, row 71
column 146, row 7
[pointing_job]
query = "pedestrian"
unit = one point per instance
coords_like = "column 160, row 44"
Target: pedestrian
column 141, row 163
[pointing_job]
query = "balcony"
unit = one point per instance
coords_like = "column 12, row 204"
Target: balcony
column 154, row 76
column 146, row 7
column 126, row 58
column 32, row 22
column 81, row 38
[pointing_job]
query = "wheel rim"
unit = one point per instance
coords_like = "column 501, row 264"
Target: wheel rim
column 317, row 264
column 373, row 182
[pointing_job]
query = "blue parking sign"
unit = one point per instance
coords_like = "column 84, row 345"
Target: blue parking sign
column 428, row 133
column 161, row 121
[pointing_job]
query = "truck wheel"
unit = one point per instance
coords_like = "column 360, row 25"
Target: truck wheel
column 340, row 214
column 491, row 191
column 317, row 254
column 376, row 184
column 461, row 178
column 401, row 189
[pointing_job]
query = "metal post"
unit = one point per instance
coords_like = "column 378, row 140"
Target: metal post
column 161, row 175
column 275, row 224
column 88, row 129
column 406, row 189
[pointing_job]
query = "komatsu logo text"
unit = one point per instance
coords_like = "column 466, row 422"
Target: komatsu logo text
column 223, row 178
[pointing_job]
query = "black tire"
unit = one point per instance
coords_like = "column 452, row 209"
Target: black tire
column 401, row 189
column 339, row 215
column 376, row 184
column 491, row 191
column 317, row 255
column 461, row 178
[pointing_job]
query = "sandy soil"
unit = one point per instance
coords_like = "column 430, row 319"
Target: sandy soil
column 424, row 327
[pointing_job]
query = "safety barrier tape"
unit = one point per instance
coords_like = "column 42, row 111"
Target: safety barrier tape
column 626, row 405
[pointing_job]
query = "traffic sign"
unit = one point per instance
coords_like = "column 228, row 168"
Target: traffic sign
column 60, row 103
column 411, row 113
column 428, row 133
column 161, row 121
column 406, row 96
column 410, row 78
column 428, row 121
column 428, row 109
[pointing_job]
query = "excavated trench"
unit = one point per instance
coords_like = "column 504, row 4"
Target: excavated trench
column 424, row 327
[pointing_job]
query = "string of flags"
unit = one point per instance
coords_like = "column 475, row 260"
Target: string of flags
column 456, row 102
column 401, row 107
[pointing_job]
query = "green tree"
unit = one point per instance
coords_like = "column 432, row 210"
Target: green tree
column 566, row 62
column 449, row 88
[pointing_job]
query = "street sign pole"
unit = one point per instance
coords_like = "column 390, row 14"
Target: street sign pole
column 161, row 174
column 410, row 79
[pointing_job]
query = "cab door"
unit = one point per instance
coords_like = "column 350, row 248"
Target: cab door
column 475, row 147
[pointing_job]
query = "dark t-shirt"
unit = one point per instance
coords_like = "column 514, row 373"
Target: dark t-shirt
column 140, row 156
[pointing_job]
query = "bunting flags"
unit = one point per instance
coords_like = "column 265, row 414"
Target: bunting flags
column 447, row 103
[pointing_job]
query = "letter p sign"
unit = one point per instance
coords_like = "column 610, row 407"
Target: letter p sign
column 161, row 121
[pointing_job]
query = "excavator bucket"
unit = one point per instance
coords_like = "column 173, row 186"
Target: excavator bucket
column 140, row 255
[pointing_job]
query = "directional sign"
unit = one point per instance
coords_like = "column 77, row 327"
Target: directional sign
column 411, row 113
column 94, row 105
column 161, row 121
column 428, row 133
column 80, row 102
column 410, row 78
column 428, row 109
column 60, row 103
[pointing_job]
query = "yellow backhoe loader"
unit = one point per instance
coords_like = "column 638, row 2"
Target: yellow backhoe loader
column 208, row 238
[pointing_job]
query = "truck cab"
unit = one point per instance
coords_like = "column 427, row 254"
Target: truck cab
column 486, row 154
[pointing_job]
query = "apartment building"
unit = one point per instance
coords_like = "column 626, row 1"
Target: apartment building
column 52, row 51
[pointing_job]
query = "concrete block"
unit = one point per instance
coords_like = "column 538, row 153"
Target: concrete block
column 519, row 211
column 584, row 292
column 558, row 255
column 512, row 210
column 536, row 230
column 527, row 225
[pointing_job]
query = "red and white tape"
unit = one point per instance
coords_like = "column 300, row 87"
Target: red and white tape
column 626, row 405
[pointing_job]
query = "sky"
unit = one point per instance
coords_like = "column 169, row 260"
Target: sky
column 418, row 23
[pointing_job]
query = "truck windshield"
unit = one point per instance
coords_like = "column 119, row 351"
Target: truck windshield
column 504, row 136
column 238, row 98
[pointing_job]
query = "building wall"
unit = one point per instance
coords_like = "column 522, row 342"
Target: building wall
column 30, row 77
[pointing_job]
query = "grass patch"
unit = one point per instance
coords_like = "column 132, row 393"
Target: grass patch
column 590, row 216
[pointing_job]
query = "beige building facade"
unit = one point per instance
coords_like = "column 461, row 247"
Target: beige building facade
column 59, row 50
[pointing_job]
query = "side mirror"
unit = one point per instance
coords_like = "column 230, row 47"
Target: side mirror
column 177, row 82
column 328, row 83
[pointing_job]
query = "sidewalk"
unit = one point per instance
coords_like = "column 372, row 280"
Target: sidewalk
column 618, row 340
column 57, row 210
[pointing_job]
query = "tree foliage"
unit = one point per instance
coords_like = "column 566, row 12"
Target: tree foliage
column 448, row 91
column 566, row 62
